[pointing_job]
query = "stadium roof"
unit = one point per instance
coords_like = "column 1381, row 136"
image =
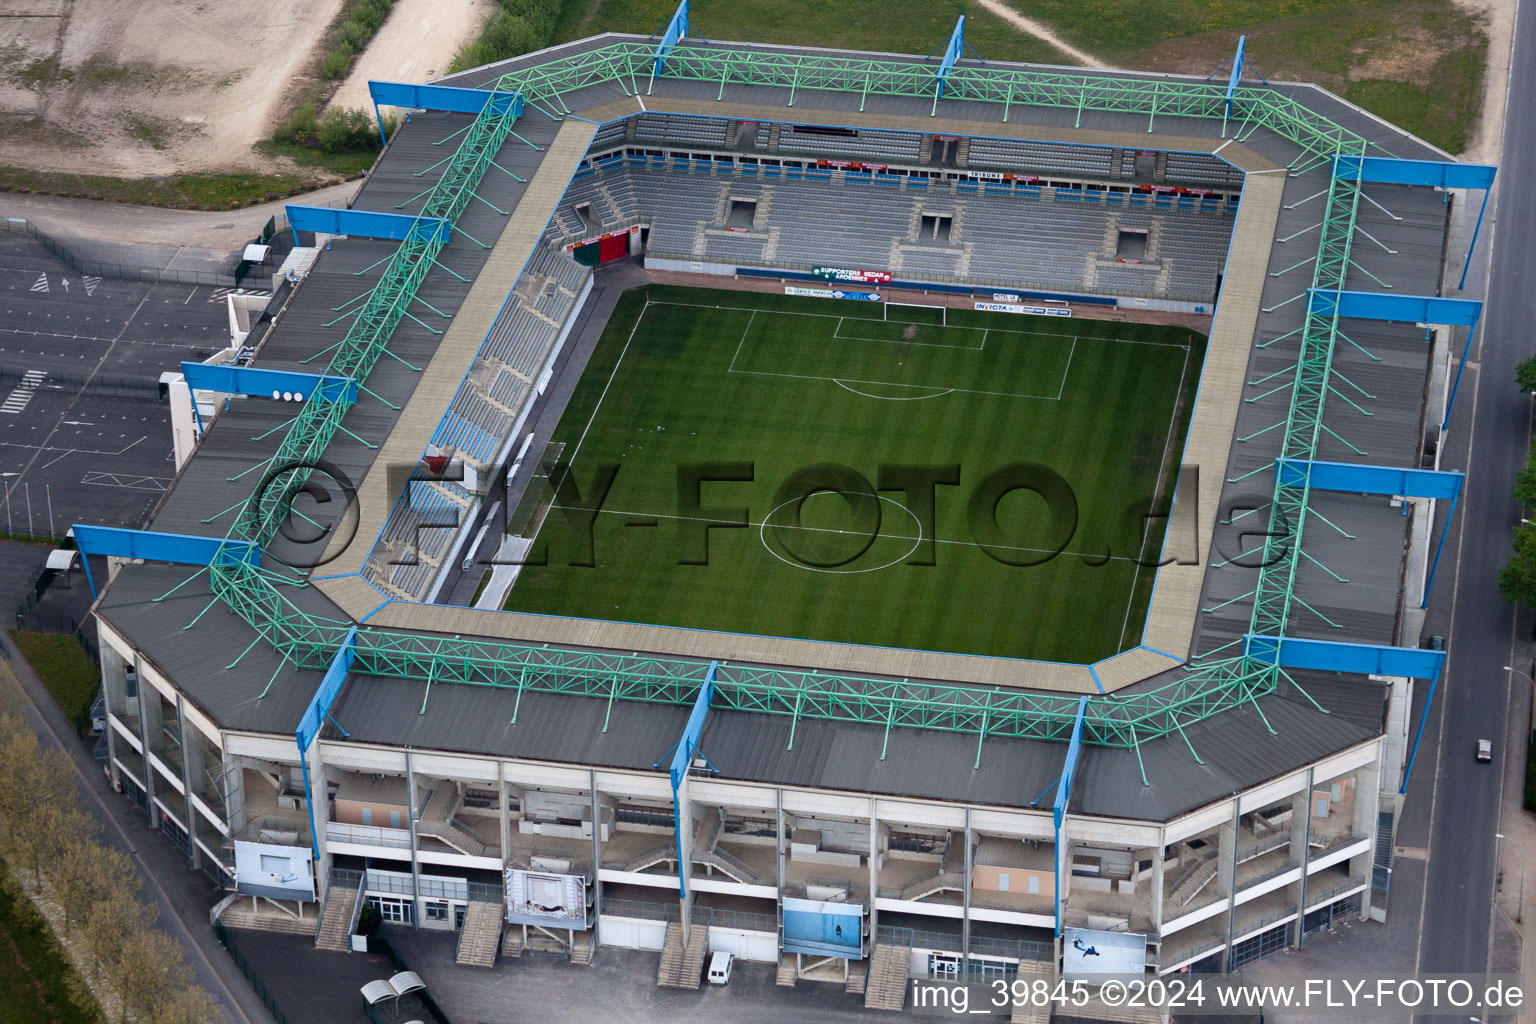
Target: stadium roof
column 1365, row 546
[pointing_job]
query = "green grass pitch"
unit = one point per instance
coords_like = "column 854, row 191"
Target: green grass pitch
column 689, row 376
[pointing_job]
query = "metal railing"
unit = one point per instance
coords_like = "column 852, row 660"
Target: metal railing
column 1316, row 901
column 257, row 985
column 368, row 835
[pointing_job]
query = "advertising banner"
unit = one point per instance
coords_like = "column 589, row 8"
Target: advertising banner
column 1014, row 307
column 856, row 276
column 829, row 293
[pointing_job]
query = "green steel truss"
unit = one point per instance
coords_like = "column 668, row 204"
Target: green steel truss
column 1206, row 689
column 1304, row 425
column 629, row 65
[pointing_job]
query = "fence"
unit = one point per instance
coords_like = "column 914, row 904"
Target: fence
column 377, row 943
column 228, row 942
column 105, row 384
column 118, row 270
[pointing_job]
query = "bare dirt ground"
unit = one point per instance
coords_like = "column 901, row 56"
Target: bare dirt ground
column 150, row 87
column 415, row 44
column 1030, row 26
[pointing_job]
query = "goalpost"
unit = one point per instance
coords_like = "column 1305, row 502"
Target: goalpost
column 885, row 310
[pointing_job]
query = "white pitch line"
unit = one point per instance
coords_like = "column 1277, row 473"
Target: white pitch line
column 825, row 529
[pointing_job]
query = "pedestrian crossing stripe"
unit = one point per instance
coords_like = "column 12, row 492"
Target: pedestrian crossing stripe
column 257, row 293
column 17, row 400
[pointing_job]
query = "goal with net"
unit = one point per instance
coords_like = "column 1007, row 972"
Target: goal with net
column 915, row 312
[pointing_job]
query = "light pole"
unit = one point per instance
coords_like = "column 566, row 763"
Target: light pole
column 1520, row 899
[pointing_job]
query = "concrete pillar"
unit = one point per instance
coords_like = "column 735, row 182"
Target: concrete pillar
column 965, row 909
column 503, row 808
column 1302, row 808
column 597, row 853
column 683, row 826
column 874, row 867
column 778, row 857
column 1158, row 855
column 1228, row 842
column 411, row 812
column 1301, row 822
column 1367, row 806
column 320, row 813
column 148, row 696
column 187, row 735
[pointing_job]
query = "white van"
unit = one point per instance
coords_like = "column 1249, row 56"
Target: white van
column 720, row 968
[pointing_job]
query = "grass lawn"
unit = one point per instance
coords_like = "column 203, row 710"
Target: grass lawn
column 686, row 376
column 1417, row 63
column 178, row 191
column 893, row 26
column 36, row 981
column 65, row 670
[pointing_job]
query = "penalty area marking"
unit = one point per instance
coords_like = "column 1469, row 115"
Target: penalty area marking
column 894, row 398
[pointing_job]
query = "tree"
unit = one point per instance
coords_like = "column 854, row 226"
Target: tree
column 82, row 871
column 1517, row 580
column 1525, row 374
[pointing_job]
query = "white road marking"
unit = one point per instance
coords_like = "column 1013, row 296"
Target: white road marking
column 18, row 399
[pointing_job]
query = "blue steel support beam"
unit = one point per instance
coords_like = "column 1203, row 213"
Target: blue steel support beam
column 682, row 759
column 1418, row 309
column 368, row 223
column 1435, row 173
column 1439, row 484
column 1389, row 480
column 1237, row 70
column 1064, row 797
column 160, row 547
column 262, row 382
column 438, row 97
column 314, row 715
column 1334, row 656
column 676, row 29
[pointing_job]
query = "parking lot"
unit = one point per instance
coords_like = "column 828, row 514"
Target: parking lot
column 83, row 433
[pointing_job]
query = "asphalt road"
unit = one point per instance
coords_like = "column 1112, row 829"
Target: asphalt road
column 1465, row 796
column 101, row 455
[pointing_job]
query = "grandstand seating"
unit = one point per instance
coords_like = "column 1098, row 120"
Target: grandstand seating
column 478, row 423
column 1005, row 234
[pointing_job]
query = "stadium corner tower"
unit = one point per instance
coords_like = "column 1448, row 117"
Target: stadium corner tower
column 346, row 663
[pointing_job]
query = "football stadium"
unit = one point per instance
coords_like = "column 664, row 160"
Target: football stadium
column 880, row 515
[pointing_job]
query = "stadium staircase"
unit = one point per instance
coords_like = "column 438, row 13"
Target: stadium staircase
column 454, row 835
column 336, row 923
column 682, row 966
column 951, row 874
column 1029, row 970
column 788, row 968
column 583, row 945
column 437, row 821
column 512, row 943
column 650, row 857
column 886, row 986
column 480, row 936
column 858, row 977
column 1195, row 879
column 240, row 914
column 711, row 856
